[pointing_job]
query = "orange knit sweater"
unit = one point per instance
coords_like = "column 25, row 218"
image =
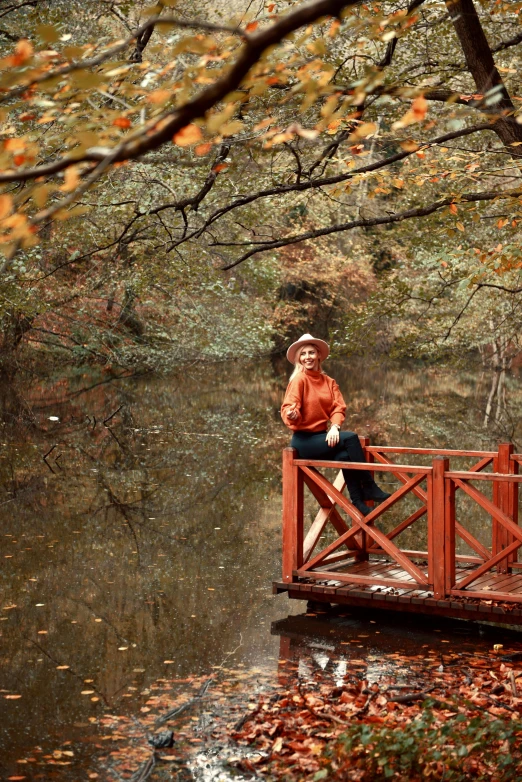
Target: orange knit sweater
column 317, row 399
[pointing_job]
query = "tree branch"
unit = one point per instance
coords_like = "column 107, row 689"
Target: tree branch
column 114, row 50
column 334, row 180
column 398, row 217
column 390, row 49
column 156, row 133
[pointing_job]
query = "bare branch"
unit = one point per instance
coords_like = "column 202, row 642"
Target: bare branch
column 397, row 217
column 15, row 7
column 507, row 44
column 334, row 180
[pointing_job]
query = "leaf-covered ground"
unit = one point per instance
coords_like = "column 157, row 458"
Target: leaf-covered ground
column 352, row 697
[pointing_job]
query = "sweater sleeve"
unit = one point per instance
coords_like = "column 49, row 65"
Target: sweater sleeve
column 293, row 401
column 338, row 406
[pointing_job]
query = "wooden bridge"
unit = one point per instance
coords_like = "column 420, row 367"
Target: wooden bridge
column 364, row 566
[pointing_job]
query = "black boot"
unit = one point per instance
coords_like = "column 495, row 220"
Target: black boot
column 354, row 488
column 370, row 490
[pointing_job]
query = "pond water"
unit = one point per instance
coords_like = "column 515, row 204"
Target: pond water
column 143, row 546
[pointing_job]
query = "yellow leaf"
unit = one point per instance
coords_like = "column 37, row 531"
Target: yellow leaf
column 188, row 135
column 409, row 146
column 48, row 33
column 6, row 204
column 214, row 121
column 363, row 130
column 231, row 128
column 460, row 226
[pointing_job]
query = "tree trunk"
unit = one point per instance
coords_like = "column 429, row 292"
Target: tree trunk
column 481, row 65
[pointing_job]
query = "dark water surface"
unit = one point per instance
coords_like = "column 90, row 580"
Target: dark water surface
column 145, row 543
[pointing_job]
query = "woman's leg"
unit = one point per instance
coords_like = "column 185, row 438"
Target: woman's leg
column 351, row 446
column 314, row 446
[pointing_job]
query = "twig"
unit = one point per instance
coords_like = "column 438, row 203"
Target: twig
column 184, row 706
column 145, row 770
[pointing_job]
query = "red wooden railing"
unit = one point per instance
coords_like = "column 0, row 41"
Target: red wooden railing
column 439, row 569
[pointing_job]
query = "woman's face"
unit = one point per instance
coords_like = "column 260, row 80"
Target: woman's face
column 309, row 357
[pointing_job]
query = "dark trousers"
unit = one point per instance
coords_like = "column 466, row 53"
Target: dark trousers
column 313, row 445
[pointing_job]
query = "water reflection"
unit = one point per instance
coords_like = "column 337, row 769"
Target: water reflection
column 145, row 543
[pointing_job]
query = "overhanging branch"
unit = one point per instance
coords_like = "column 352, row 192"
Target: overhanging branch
column 161, row 130
column 390, row 219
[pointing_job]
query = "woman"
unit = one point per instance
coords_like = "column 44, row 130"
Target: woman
column 312, row 402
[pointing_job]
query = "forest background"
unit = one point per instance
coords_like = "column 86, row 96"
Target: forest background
column 201, row 180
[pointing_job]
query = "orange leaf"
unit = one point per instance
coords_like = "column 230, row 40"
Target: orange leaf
column 18, row 160
column 420, row 107
column 24, row 50
column 453, row 209
column 334, row 27
column 271, row 7
column 202, row 149
column 71, row 181
column 14, row 144
column 188, row 135
column 220, row 167
column 122, row 122
column 251, row 26
column 159, row 96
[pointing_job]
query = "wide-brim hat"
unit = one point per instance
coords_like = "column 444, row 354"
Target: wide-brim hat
column 322, row 347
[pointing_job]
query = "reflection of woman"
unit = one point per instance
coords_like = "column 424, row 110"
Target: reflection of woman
column 313, row 402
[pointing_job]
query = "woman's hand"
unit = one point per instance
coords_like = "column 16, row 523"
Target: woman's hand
column 292, row 414
column 332, row 436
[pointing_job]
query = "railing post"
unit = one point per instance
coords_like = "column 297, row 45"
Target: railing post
column 449, row 534
column 436, row 527
column 505, row 501
column 363, row 554
column 292, row 515
column 513, row 504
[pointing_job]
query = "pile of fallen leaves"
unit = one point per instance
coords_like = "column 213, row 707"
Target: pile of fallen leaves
column 459, row 718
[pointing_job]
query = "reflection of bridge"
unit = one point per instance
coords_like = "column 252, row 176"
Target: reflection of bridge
column 363, row 565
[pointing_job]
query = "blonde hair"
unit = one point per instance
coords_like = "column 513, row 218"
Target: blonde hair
column 298, row 367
